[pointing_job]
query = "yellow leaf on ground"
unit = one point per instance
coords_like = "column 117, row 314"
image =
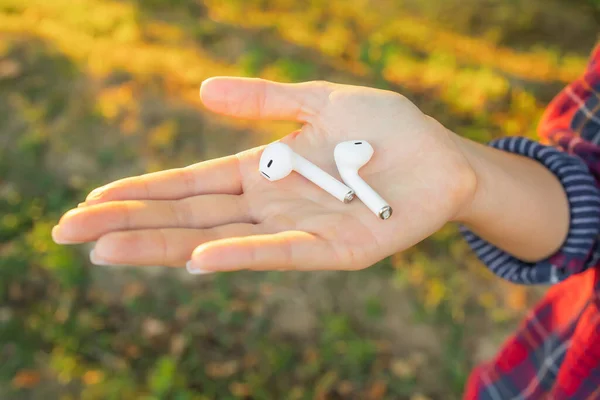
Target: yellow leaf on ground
column 26, row 378
column 92, row 377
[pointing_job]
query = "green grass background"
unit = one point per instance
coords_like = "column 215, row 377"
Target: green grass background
column 95, row 90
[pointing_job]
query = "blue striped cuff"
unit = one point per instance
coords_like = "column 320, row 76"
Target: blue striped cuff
column 580, row 249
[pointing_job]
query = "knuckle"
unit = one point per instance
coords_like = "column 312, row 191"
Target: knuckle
column 183, row 212
column 316, row 99
column 288, row 255
column 126, row 214
column 163, row 246
column 188, row 178
column 117, row 246
column 143, row 182
column 321, row 84
column 262, row 98
column 397, row 98
column 253, row 256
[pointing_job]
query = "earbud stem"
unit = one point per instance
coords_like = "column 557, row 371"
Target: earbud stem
column 366, row 194
column 322, row 179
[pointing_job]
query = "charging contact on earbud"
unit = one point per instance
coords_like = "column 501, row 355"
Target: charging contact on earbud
column 385, row 212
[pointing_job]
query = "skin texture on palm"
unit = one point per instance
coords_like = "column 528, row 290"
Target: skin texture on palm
column 222, row 215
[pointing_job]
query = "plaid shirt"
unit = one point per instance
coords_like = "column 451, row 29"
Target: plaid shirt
column 555, row 353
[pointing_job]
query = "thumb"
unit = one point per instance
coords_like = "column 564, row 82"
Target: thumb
column 261, row 99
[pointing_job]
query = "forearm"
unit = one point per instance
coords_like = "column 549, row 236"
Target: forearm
column 518, row 205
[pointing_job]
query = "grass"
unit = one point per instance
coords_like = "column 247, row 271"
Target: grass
column 96, row 90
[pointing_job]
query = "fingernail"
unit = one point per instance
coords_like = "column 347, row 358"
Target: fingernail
column 97, row 260
column 210, row 96
column 56, row 237
column 81, row 204
column 95, row 194
column 195, row 270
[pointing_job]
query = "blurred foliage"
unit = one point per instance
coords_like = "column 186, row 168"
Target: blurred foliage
column 94, row 90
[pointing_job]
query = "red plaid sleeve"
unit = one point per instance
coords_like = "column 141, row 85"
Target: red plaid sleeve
column 555, row 353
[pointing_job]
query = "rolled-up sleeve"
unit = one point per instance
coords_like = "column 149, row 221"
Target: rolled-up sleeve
column 580, row 249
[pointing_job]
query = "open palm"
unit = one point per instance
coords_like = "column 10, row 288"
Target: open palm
column 223, row 215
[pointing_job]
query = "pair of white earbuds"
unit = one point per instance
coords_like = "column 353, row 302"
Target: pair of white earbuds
column 278, row 160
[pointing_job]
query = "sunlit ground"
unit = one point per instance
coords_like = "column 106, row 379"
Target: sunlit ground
column 94, row 90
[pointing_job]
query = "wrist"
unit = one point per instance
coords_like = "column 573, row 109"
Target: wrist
column 516, row 199
column 485, row 171
column 468, row 179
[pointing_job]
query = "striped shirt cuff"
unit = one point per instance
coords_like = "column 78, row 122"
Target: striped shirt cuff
column 580, row 249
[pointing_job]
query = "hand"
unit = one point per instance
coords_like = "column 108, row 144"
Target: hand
column 223, row 215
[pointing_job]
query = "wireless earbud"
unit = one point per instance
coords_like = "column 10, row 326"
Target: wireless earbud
column 350, row 157
column 278, row 160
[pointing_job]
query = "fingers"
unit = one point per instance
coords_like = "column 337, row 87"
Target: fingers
column 258, row 98
column 89, row 223
column 168, row 247
column 219, row 176
column 289, row 250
